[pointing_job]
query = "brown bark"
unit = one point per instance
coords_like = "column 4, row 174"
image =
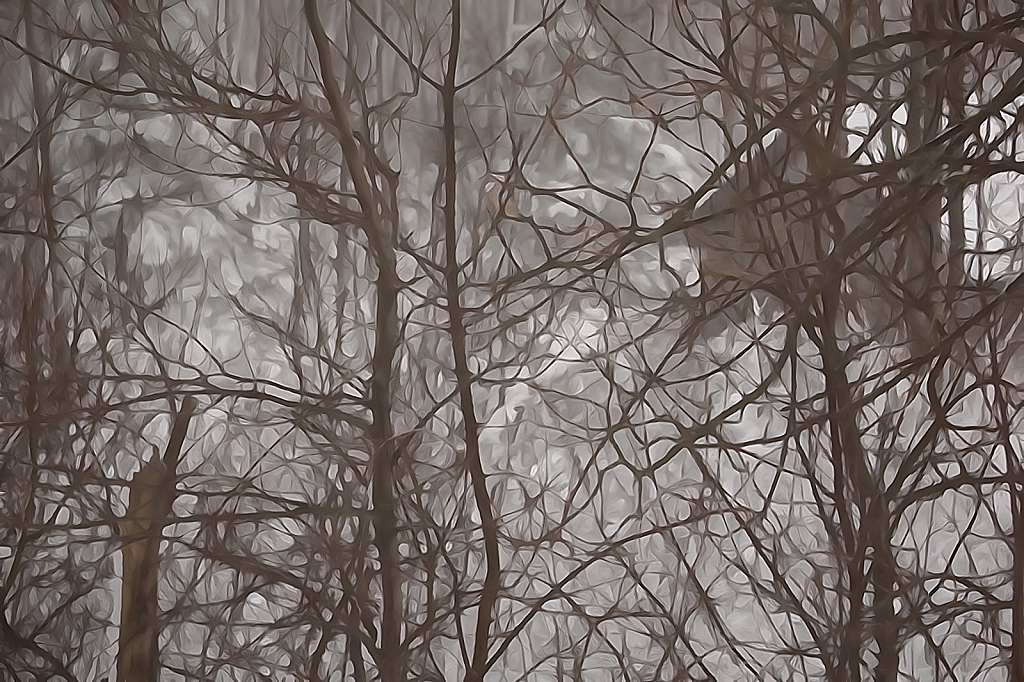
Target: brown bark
column 1017, row 601
column 854, row 480
column 463, row 375
column 1017, row 514
column 378, row 227
column 920, row 246
column 149, row 505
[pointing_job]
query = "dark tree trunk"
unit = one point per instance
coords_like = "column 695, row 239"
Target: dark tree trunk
column 149, row 505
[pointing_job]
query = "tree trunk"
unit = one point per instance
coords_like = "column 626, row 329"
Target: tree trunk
column 149, row 505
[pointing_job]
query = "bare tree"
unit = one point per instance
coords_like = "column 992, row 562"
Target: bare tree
column 661, row 342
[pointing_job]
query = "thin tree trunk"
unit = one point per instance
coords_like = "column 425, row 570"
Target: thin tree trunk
column 875, row 534
column 1017, row 601
column 378, row 229
column 152, row 494
column 1013, row 467
column 41, row 291
column 919, row 247
column 463, row 375
column 850, row 465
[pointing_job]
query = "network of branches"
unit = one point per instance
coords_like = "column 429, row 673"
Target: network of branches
column 511, row 340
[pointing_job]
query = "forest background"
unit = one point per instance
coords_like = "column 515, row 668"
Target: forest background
column 511, row 340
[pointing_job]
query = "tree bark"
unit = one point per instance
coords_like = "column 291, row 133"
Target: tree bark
column 149, row 505
column 378, row 224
